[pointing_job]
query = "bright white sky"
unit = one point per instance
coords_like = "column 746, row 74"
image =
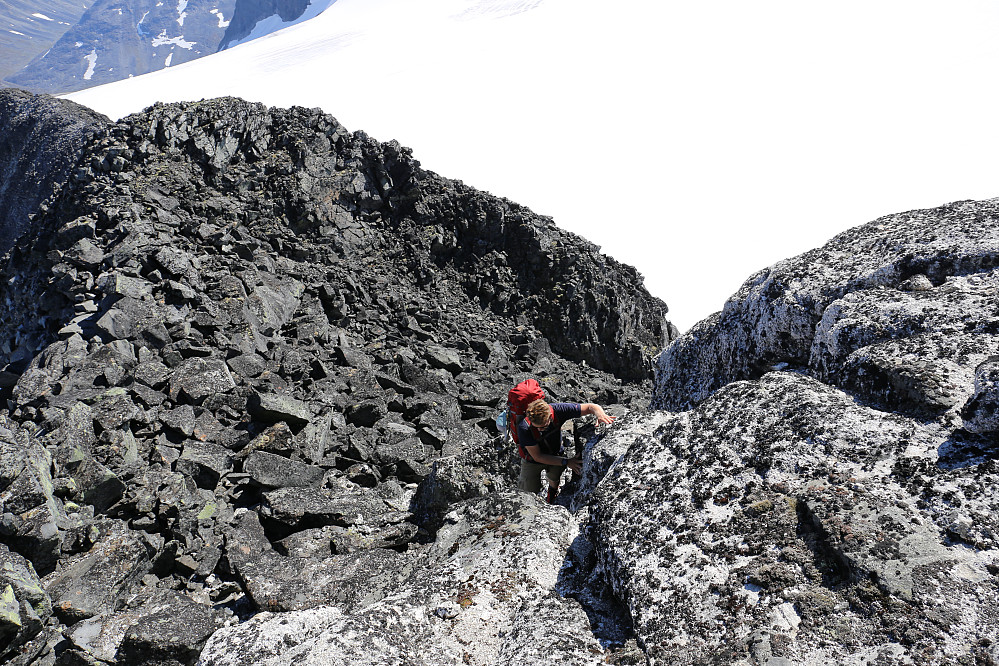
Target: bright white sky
column 697, row 141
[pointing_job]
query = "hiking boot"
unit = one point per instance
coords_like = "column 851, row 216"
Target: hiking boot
column 552, row 494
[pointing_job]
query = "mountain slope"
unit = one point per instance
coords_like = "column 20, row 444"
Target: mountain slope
column 43, row 139
column 114, row 41
column 253, row 19
column 241, row 348
column 30, row 29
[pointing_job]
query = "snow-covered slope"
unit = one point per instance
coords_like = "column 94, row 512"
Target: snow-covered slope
column 699, row 142
column 253, row 19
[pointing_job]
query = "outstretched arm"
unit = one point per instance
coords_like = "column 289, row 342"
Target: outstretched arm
column 575, row 464
column 596, row 410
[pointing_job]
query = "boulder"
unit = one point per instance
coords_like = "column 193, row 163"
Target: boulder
column 198, row 378
column 786, row 516
column 272, row 408
column 95, row 582
column 276, row 471
column 24, row 605
column 476, row 596
column 169, row 629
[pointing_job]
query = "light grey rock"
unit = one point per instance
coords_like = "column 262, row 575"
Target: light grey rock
column 781, row 509
column 197, row 378
column 272, row 407
column 848, row 313
column 480, row 590
column 345, row 504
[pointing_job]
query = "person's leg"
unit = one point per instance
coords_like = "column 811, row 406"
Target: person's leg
column 530, row 476
column 554, row 474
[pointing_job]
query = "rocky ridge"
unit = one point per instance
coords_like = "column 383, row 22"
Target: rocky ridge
column 251, row 362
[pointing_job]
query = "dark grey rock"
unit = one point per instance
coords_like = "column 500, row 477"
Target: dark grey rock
column 42, row 137
column 169, row 629
column 444, row 358
column 181, row 419
column 981, row 412
column 272, row 407
column 276, row 471
column 96, row 581
column 205, row 462
column 366, row 413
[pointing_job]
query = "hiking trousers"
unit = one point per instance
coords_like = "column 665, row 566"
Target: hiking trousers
column 530, row 475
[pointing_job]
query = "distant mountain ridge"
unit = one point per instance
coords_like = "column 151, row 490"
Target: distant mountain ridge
column 113, row 40
column 28, row 31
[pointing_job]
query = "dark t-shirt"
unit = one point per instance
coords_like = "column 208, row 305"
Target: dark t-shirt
column 550, row 439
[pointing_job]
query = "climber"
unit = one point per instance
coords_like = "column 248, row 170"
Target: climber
column 539, row 436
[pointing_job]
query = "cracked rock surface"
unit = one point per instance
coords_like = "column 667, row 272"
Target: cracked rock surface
column 823, row 489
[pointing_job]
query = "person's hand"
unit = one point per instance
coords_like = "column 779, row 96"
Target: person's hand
column 603, row 417
column 576, row 465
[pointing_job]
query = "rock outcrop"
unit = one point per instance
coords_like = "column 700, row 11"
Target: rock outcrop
column 251, row 363
column 828, row 493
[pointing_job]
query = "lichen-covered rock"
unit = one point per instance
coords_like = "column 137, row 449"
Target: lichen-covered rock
column 981, row 412
column 32, row 518
column 780, row 517
column 852, row 314
column 24, row 605
column 161, row 627
column 170, row 629
column 481, row 594
column 95, row 582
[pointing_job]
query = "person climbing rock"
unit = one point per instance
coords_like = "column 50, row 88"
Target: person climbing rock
column 539, row 436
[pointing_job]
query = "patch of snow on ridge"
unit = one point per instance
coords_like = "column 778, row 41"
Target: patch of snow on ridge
column 181, row 14
column 169, row 58
column 15, row 32
column 42, row 16
column 162, row 39
column 92, row 59
column 222, row 22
